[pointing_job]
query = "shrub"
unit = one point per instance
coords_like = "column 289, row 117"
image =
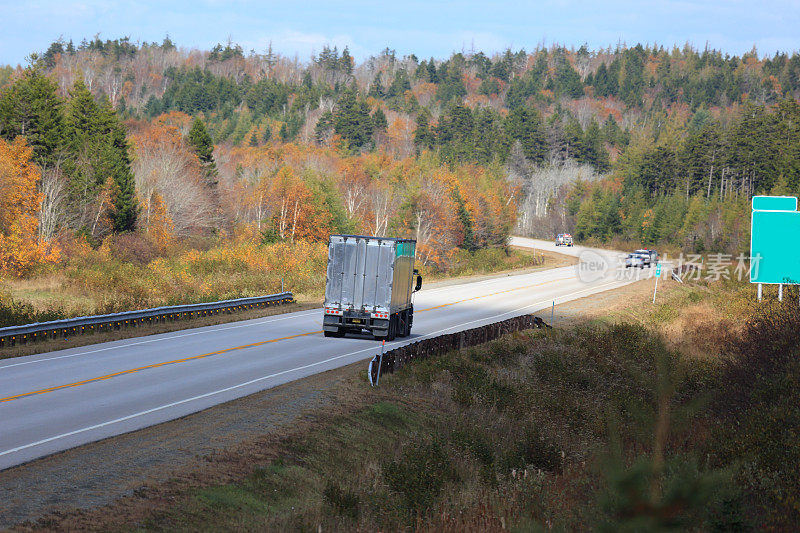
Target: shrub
column 476, row 442
column 133, row 248
column 343, row 502
column 531, row 449
column 420, row 474
column 759, row 407
column 14, row 313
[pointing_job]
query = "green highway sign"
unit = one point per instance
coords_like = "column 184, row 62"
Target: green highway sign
column 774, row 240
column 658, row 269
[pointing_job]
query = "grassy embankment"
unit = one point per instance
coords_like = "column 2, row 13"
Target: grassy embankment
column 607, row 424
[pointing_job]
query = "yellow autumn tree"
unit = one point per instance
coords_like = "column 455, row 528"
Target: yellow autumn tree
column 161, row 226
column 20, row 247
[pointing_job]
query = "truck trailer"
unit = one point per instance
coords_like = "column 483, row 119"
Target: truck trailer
column 370, row 286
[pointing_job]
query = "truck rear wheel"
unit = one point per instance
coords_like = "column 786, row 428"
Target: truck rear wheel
column 337, row 333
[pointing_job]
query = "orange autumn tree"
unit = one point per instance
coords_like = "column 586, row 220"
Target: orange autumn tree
column 20, row 247
column 295, row 213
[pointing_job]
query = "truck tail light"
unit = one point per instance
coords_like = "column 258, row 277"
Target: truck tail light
column 332, row 311
column 380, row 315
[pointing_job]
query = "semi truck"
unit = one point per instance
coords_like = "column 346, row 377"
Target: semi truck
column 370, row 286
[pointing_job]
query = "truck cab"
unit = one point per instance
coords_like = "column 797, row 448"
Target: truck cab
column 369, row 286
column 564, row 239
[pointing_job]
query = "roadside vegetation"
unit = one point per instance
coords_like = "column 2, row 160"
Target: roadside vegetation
column 606, row 424
column 128, row 272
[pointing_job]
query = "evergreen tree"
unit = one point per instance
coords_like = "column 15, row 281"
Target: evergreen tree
column 423, row 137
column 125, row 207
column 525, row 124
column 632, row 87
column 202, row 145
column 254, row 139
column 100, row 151
column 489, row 86
column 379, row 120
column 465, row 219
column 575, row 141
column 267, row 134
column 451, row 86
column 400, row 84
column 324, row 127
column 152, row 108
column 433, row 76
column 612, row 132
column 568, row 81
column 455, row 134
column 612, row 83
column 376, row 89
column 346, row 61
column 352, row 121
column 32, row 108
column 600, row 81
column 595, row 153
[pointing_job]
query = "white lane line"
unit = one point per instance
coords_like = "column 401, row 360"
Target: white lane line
column 149, row 341
column 263, row 378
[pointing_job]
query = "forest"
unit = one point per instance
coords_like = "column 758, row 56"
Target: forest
column 151, row 156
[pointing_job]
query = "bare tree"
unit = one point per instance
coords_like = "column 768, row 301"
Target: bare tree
column 51, row 212
column 169, row 169
column 539, row 187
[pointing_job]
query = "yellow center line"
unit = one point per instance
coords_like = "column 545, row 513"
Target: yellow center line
column 155, row 365
column 226, row 350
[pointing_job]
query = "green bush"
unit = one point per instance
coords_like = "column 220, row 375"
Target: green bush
column 343, row 502
column 531, row 449
column 14, row 313
column 420, row 473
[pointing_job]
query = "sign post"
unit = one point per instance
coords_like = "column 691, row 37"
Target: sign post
column 658, row 275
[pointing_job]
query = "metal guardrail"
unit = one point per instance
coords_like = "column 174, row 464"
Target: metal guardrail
column 394, row 359
column 10, row 336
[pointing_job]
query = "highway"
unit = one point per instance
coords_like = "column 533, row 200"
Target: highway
column 58, row 400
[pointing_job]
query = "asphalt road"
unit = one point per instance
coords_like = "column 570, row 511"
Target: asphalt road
column 54, row 401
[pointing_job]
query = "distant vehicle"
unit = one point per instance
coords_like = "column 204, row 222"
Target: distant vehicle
column 636, row 260
column 369, row 286
column 564, row 239
column 647, row 258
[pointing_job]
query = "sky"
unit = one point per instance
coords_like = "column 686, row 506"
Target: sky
column 425, row 28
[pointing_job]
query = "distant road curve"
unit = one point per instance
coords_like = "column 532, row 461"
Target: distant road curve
column 58, row 400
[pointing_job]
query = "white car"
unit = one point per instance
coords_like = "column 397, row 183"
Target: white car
column 647, row 257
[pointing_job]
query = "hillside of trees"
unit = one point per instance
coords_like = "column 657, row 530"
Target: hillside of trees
column 645, row 143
